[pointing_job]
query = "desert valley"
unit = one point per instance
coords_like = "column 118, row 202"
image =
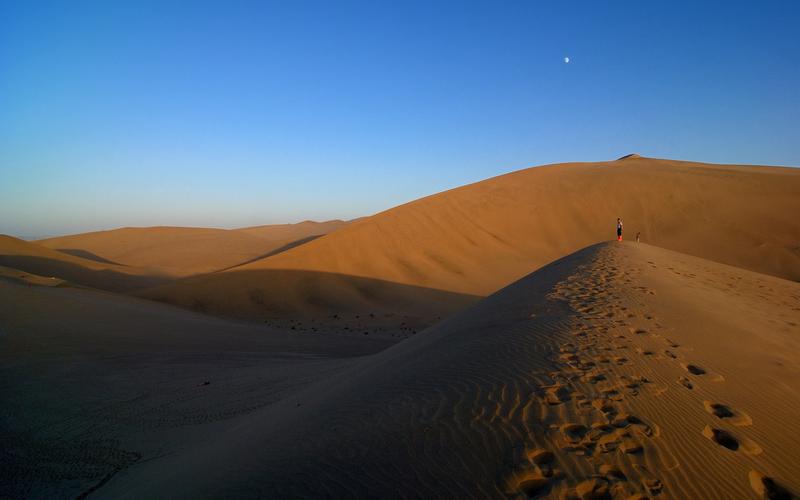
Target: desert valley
column 493, row 340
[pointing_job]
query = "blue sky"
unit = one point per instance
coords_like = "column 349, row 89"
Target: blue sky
column 238, row 113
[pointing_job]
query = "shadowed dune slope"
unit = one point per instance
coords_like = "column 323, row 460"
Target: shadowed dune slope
column 623, row 369
column 258, row 294
column 478, row 238
column 183, row 251
column 91, row 382
column 39, row 260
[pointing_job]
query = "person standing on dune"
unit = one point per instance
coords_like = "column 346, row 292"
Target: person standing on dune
column 619, row 229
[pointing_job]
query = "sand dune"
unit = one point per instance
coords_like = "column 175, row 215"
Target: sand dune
column 623, row 369
column 293, row 232
column 353, row 303
column 478, row 238
column 93, row 382
column 182, row 251
column 22, row 277
column 38, row 260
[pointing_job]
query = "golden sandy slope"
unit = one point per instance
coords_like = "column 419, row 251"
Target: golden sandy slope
column 183, row 251
column 623, row 369
column 294, row 232
column 475, row 239
column 29, row 257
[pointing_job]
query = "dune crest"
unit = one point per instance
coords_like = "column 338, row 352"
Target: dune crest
column 475, row 239
column 183, row 251
column 571, row 381
column 38, row 260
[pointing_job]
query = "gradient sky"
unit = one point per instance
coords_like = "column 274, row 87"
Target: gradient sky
column 239, row 113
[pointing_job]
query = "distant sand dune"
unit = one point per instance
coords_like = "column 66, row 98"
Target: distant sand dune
column 35, row 259
column 183, row 251
column 478, row 238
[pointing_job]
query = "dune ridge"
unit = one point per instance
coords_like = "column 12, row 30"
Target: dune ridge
column 623, row 369
column 478, row 238
column 32, row 258
column 184, row 251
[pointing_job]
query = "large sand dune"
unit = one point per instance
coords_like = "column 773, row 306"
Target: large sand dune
column 624, row 369
column 294, row 232
column 92, row 382
column 39, row 260
column 183, row 251
column 478, row 238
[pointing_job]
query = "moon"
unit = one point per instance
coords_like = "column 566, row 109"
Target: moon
column 566, row 60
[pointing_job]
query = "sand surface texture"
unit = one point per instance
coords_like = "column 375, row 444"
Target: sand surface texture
column 622, row 370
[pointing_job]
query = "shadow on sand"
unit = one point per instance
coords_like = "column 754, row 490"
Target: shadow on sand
column 103, row 279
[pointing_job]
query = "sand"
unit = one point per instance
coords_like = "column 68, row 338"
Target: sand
column 23, row 256
column 185, row 251
column 475, row 343
column 93, row 382
column 294, row 232
column 623, row 368
column 473, row 240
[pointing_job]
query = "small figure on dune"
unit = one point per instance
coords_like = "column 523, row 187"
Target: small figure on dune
column 637, row 237
column 619, row 229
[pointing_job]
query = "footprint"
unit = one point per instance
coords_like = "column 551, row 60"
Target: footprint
column 719, row 410
column 531, row 484
column 722, row 411
column 612, row 473
column 605, row 406
column 556, row 394
column 722, row 438
column 634, row 381
column 596, row 487
column 540, row 456
column 598, row 430
column 627, row 421
column 731, row 442
column 594, row 376
column 630, row 447
column 686, row 383
column 766, row 487
column 694, row 369
column 651, row 484
column 613, row 394
column 670, row 354
column 573, row 433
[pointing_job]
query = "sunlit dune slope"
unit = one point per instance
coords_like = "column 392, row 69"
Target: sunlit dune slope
column 184, row 251
column 291, row 232
column 36, row 259
column 623, row 369
column 475, row 239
